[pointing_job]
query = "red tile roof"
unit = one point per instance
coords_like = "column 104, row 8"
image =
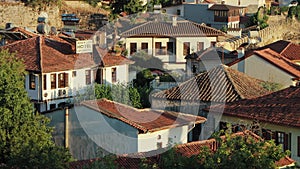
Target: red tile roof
column 281, row 108
column 111, row 59
column 145, row 120
column 49, row 54
column 285, row 48
column 221, row 84
column 224, row 7
column 163, row 28
column 133, row 161
column 279, row 61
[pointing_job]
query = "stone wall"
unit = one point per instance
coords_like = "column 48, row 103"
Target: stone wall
column 24, row 16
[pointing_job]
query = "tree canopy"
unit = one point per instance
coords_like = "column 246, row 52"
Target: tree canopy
column 25, row 138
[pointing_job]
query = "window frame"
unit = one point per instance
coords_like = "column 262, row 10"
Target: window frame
column 114, row 75
column 53, row 80
column 186, row 48
column 133, row 48
column 88, row 77
column 32, row 81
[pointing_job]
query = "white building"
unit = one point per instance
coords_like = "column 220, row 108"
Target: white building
column 170, row 41
column 56, row 73
column 119, row 129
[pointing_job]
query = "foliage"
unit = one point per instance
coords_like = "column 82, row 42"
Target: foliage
column 284, row 8
column 242, row 152
column 25, row 138
column 134, row 6
column 260, row 18
column 224, row 28
column 145, row 92
column 42, row 4
column 294, row 11
column 93, row 3
column 107, row 162
column 270, row 86
column 144, row 61
column 121, row 93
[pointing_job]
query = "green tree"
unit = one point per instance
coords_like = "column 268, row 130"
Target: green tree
column 260, row 18
column 107, row 162
column 241, row 152
column 121, row 93
column 25, row 138
column 93, row 3
column 134, row 6
column 42, row 4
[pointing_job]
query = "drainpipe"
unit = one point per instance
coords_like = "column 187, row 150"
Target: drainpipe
column 66, row 127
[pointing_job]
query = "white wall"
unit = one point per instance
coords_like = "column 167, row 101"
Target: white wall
column 259, row 68
column 148, row 141
column 173, row 10
column 33, row 93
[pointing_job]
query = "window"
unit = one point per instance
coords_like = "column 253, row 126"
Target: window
column 53, row 81
column 88, row 77
column 200, row 46
column 159, row 145
column 132, row 48
column 31, row 81
column 145, row 47
column 52, row 106
column 157, row 48
column 212, row 44
column 95, row 75
column 45, row 82
column 186, row 48
column 74, row 73
column 170, row 48
column 114, row 75
column 63, row 80
column 178, row 12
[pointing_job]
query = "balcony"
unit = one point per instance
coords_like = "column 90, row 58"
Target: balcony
column 227, row 18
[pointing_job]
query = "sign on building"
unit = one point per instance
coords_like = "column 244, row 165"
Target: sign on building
column 84, row 46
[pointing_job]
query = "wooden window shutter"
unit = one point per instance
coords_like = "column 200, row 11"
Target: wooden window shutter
column 66, row 79
column 286, row 142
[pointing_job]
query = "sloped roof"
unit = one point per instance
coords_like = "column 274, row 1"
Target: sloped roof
column 17, row 33
column 224, row 7
column 281, row 108
column 163, row 28
column 145, row 120
column 279, row 61
column 49, row 54
column 111, row 59
column 285, row 48
column 221, row 84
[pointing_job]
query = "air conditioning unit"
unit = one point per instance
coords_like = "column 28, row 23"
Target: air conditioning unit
column 62, row 92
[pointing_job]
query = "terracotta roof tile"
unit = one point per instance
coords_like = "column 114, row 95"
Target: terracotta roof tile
column 224, row 7
column 49, row 54
column 221, row 84
column 145, row 120
column 162, row 28
column 279, row 61
column 281, row 108
column 111, row 59
column 292, row 52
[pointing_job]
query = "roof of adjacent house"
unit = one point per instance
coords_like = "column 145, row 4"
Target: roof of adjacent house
column 17, row 33
column 221, row 84
column 133, row 161
column 49, row 54
column 224, row 7
column 285, row 48
column 145, row 120
column 109, row 59
column 281, row 108
column 279, row 61
column 183, row 28
column 273, row 58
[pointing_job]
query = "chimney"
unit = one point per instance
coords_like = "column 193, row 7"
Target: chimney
column 174, row 20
